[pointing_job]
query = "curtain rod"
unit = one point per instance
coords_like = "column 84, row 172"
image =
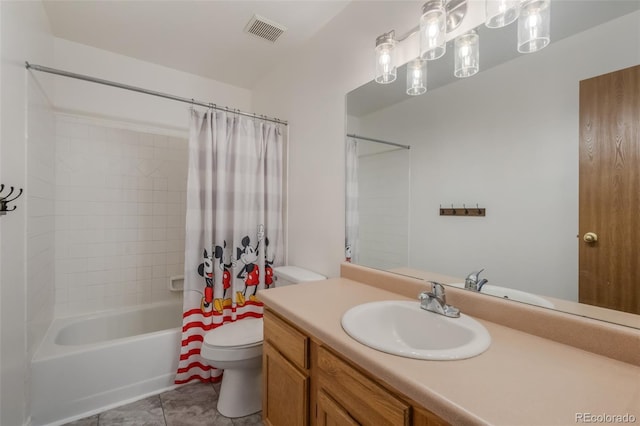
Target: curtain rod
column 148, row 92
column 351, row 135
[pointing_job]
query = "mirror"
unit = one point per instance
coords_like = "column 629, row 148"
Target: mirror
column 506, row 139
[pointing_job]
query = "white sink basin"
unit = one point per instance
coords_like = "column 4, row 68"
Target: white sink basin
column 403, row 328
column 511, row 294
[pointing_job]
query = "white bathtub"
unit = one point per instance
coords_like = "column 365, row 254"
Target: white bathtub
column 90, row 363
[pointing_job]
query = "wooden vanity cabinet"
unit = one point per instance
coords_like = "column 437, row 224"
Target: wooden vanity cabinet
column 306, row 383
column 285, row 374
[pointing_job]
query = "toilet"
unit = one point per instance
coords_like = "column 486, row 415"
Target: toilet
column 236, row 348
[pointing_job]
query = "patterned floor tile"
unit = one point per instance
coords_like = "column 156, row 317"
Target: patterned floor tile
column 189, row 405
column 87, row 421
column 146, row 412
column 252, row 420
column 192, row 405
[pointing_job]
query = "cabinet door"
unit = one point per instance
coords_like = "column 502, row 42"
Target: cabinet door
column 330, row 413
column 362, row 397
column 286, row 391
column 423, row 417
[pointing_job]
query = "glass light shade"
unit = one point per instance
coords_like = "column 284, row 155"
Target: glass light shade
column 386, row 62
column 534, row 25
column 433, row 29
column 416, row 77
column 500, row 13
column 467, row 54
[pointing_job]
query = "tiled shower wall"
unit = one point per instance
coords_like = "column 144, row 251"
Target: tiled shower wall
column 120, row 215
column 383, row 207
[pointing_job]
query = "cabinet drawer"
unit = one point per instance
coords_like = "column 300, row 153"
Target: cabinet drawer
column 364, row 400
column 286, row 339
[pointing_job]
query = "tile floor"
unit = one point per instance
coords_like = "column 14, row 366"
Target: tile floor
column 189, row 405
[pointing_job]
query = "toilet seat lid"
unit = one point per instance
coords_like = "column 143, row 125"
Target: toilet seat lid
column 240, row 333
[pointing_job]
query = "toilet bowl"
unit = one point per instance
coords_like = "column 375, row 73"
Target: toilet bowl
column 236, row 348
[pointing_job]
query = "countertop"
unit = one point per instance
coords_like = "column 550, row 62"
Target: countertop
column 521, row 379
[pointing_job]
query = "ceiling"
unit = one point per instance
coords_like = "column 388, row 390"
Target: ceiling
column 205, row 38
column 568, row 17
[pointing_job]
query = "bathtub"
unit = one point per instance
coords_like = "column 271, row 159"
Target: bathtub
column 90, row 363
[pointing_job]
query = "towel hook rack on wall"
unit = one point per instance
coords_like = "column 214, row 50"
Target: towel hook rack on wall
column 5, row 200
column 462, row 211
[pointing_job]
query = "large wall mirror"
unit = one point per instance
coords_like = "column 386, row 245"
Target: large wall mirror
column 509, row 140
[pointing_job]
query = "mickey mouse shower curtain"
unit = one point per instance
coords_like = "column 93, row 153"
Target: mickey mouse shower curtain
column 234, row 230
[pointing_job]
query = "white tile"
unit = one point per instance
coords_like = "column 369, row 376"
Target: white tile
column 145, row 234
column 145, row 196
column 145, row 209
column 175, row 234
column 159, row 196
column 145, row 183
column 175, row 257
column 175, row 269
column 175, row 221
column 160, row 184
column 96, row 277
column 159, row 209
column 130, row 274
column 159, row 271
column 77, row 294
column 159, row 234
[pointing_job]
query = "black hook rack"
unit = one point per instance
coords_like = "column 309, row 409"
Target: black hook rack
column 5, row 200
column 462, row 211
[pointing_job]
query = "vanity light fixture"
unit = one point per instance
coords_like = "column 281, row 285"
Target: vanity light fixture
column 386, row 58
column 534, row 25
column 433, row 29
column 440, row 17
column 500, row 13
column 417, row 77
column 467, row 54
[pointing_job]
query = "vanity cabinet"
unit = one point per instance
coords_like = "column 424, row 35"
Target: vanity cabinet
column 285, row 374
column 306, row 383
column 330, row 413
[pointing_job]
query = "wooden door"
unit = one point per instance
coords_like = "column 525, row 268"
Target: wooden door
column 285, row 398
column 610, row 190
column 330, row 413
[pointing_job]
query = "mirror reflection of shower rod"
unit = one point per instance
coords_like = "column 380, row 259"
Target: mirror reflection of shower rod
column 351, row 135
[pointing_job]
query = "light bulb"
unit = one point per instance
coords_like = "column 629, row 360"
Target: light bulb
column 500, row 13
column 385, row 59
column 433, row 29
column 534, row 25
column 416, row 77
column 467, row 54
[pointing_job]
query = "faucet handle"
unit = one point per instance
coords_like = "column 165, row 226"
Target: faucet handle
column 437, row 290
column 475, row 275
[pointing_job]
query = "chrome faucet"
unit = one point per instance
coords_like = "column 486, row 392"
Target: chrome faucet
column 473, row 282
column 436, row 301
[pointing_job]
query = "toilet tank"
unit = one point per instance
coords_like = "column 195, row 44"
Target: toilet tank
column 287, row 275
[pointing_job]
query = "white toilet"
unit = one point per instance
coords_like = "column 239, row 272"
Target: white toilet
column 236, row 348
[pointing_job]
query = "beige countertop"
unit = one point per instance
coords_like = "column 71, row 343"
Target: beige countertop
column 520, row 380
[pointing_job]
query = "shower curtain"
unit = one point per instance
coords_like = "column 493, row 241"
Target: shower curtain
column 351, row 201
column 234, row 229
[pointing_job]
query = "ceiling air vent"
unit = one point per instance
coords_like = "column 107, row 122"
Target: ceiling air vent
column 264, row 28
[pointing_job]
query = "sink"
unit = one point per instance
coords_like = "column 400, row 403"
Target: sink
column 511, row 294
column 402, row 328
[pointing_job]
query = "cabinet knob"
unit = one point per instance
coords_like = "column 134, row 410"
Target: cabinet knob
column 590, row 237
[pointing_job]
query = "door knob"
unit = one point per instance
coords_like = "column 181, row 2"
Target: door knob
column 590, row 237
